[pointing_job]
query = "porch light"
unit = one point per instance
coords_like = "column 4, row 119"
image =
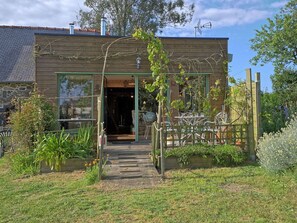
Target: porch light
column 138, row 61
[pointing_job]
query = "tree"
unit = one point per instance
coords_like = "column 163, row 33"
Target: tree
column 276, row 42
column 126, row 15
column 285, row 86
column 273, row 115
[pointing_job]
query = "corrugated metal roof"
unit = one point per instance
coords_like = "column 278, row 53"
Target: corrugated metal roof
column 16, row 50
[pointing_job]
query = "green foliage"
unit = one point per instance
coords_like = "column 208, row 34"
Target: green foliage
column 184, row 153
column 272, row 117
column 129, row 14
column 84, row 141
column 34, row 116
column 92, row 172
column 23, row 163
column 54, row 149
column 159, row 61
column 212, row 96
column 276, row 41
column 223, row 155
column 236, row 100
column 228, row 155
column 285, row 86
column 278, row 151
column 92, row 175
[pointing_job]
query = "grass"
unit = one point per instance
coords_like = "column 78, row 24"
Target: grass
column 241, row 194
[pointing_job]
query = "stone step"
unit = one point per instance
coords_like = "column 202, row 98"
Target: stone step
column 130, row 162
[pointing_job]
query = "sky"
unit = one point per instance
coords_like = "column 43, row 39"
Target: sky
column 237, row 20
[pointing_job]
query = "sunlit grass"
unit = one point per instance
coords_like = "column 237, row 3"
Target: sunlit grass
column 242, row 194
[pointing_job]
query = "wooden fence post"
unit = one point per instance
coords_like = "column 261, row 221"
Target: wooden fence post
column 256, row 108
column 251, row 143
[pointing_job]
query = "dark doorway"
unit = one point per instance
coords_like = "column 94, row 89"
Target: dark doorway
column 120, row 103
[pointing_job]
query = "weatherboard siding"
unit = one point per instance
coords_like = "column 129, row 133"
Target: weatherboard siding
column 71, row 53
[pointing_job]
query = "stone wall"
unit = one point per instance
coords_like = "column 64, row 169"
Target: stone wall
column 10, row 91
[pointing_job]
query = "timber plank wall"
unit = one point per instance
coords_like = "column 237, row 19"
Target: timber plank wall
column 76, row 53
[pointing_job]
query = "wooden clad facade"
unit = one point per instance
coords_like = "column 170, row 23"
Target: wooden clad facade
column 79, row 54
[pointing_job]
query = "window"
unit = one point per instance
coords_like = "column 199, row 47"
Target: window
column 194, row 92
column 75, row 97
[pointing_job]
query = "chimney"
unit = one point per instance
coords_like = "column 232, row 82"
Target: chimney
column 71, row 28
column 103, row 26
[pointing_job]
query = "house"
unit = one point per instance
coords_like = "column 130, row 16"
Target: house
column 68, row 70
column 17, row 73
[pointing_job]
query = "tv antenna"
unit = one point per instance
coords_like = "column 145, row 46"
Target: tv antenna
column 199, row 27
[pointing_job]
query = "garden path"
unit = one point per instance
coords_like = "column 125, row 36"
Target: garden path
column 129, row 166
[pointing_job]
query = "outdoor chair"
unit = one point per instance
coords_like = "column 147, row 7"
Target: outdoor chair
column 148, row 118
column 215, row 131
column 4, row 135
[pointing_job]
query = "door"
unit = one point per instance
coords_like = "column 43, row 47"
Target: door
column 120, row 103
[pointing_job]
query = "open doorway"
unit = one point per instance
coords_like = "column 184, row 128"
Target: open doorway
column 119, row 106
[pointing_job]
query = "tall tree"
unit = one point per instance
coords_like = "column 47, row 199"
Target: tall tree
column 276, row 41
column 126, row 15
column 285, row 85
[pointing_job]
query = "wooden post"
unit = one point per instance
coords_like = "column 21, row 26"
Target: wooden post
column 162, row 154
column 160, row 134
column 251, row 143
column 98, row 125
column 257, row 108
column 101, row 151
column 136, row 118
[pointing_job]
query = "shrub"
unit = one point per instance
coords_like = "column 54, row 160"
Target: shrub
column 223, row 155
column 84, row 140
column 34, row 116
column 54, row 149
column 184, row 153
column 23, row 163
column 92, row 170
column 228, row 155
column 278, row 151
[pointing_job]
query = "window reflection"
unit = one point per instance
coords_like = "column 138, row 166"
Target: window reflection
column 75, row 98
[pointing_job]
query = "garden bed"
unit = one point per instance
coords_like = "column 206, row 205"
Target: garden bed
column 194, row 162
column 200, row 156
column 69, row 166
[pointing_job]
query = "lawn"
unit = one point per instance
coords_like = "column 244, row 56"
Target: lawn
column 241, row 194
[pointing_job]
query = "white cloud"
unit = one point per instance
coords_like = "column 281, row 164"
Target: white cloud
column 233, row 16
column 54, row 13
column 235, row 3
column 57, row 13
column 278, row 4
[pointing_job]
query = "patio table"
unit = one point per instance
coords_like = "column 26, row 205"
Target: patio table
column 189, row 124
column 191, row 119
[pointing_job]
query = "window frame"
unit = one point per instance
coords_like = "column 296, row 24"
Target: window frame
column 61, row 76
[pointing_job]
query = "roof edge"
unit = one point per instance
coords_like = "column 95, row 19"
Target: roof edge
column 107, row 36
column 48, row 28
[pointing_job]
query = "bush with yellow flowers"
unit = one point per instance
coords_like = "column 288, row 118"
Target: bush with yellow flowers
column 92, row 171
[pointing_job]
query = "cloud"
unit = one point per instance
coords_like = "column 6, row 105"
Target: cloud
column 278, row 4
column 54, row 13
column 233, row 16
column 234, row 3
